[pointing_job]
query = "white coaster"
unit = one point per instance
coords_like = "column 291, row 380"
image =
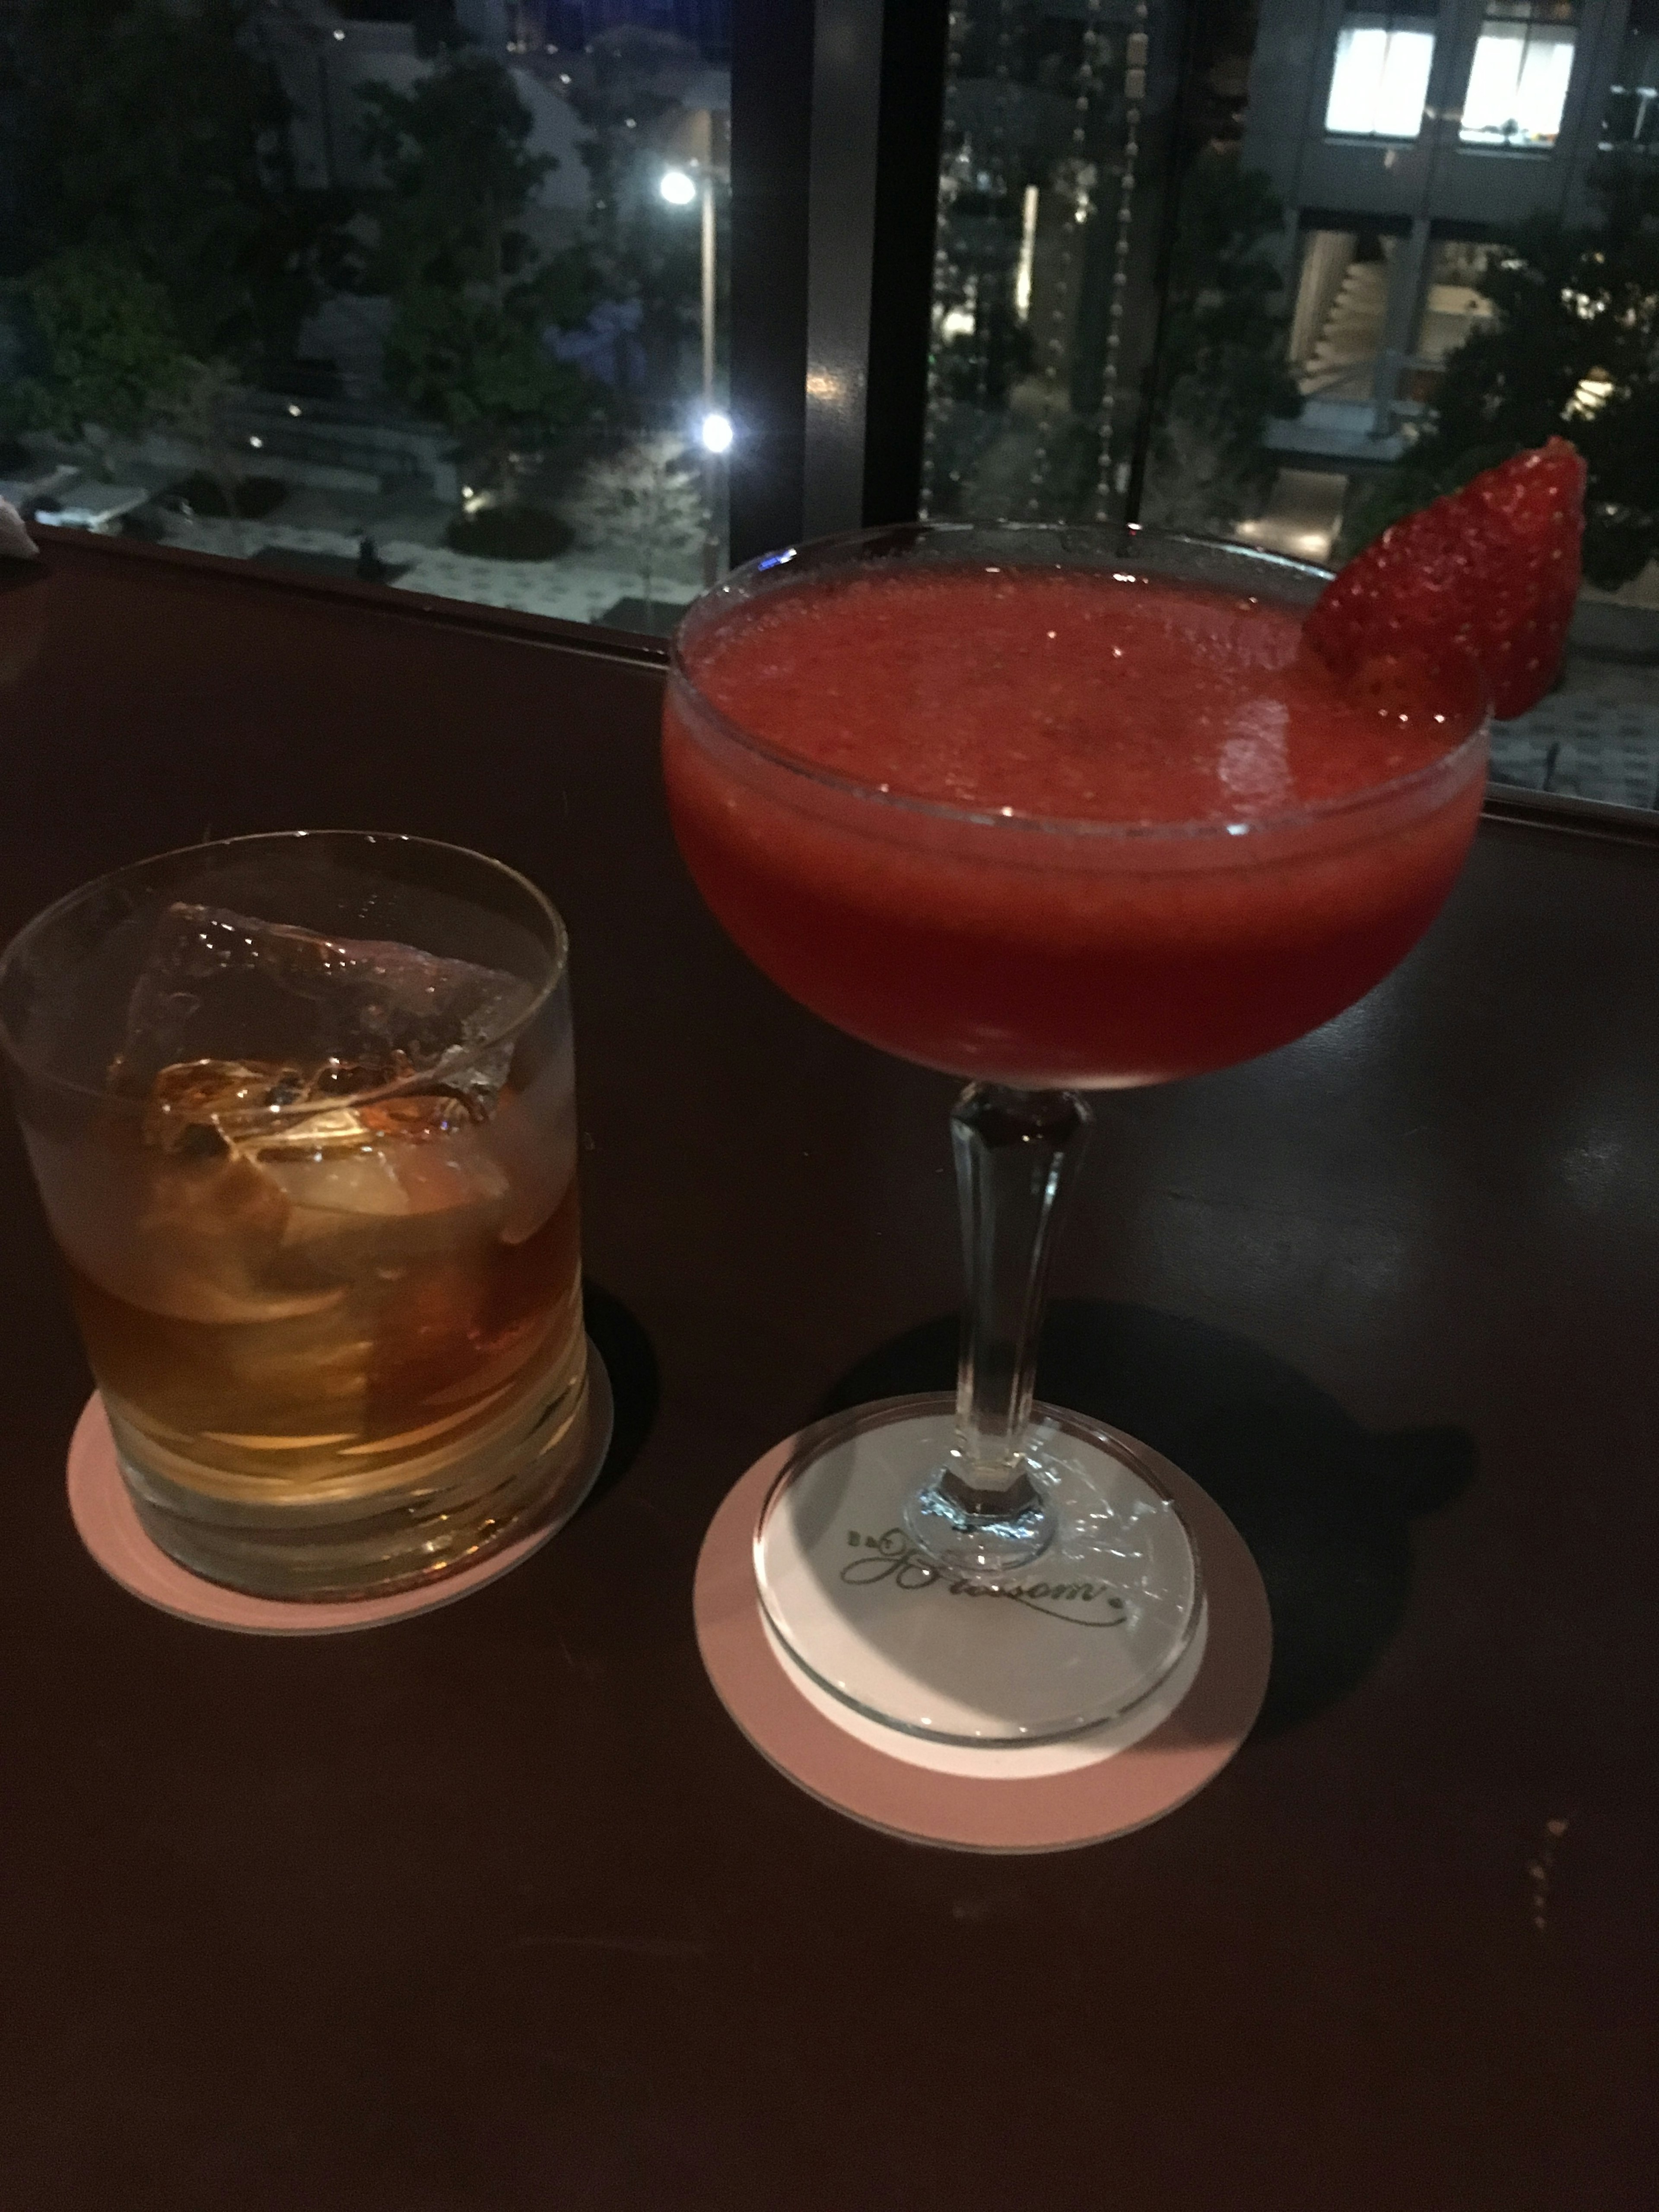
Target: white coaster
column 107, row 1523
column 1091, row 1630
column 1005, row 1762
column 1036, row 1797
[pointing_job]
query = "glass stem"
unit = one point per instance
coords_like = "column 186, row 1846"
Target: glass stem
column 1016, row 1155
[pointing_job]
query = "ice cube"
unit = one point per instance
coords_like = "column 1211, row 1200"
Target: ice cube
column 209, row 1235
column 328, row 1164
column 390, row 1161
column 358, row 1014
column 202, row 1109
column 532, row 1133
column 436, row 1153
column 258, row 1169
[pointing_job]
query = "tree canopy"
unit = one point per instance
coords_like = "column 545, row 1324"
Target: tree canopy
column 472, row 295
column 453, row 153
column 156, row 131
column 101, row 346
column 645, row 251
column 1221, row 374
column 480, row 369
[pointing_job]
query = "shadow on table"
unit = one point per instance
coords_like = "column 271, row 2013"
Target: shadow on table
column 636, row 1385
column 1324, row 1505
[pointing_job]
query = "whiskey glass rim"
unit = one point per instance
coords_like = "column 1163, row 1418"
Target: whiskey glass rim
column 847, row 551
column 16, row 1050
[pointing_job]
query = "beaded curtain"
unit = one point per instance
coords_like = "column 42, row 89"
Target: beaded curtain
column 1044, row 126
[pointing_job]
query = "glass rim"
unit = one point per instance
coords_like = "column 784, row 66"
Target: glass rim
column 498, row 1034
column 1230, row 835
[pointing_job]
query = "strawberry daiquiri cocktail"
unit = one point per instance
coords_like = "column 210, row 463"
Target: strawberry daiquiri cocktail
column 1052, row 810
column 1048, row 825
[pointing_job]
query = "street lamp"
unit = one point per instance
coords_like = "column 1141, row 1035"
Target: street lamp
column 679, row 188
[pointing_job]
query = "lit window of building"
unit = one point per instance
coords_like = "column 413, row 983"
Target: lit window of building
column 1517, row 88
column 1381, row 78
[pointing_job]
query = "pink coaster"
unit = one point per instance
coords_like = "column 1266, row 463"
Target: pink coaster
column 1046, row 1798
column 107, row 1523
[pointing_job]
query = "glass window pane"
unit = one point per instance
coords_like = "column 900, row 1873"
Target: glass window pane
column 1380, row 81
column 1453, row 305
column 1361, row 58
column 1517, row 88
column 427, row 292
column 1630, row 121
column 1344, row 338
column 1341, row 310
column 1405, row 84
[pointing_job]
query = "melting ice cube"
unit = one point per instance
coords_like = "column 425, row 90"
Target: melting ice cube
column 330, row 1014
column 208, row 1237
column 409, row 1154
column 204, row 1108
column 392, row 1160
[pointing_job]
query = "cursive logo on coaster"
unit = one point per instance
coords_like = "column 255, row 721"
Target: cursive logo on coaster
column 892, row 1558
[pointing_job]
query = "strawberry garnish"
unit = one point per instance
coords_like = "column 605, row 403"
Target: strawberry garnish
column 1491, row 570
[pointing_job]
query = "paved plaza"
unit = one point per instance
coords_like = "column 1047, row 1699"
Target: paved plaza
column 1585, row 744
column 577, row 588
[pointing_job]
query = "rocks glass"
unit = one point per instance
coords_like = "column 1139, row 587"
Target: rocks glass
column 301, row 1110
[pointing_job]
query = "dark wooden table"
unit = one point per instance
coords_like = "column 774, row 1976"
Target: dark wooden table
column 495, row 1910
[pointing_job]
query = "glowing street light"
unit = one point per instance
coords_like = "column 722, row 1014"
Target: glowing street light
column 716, row 434
column 678, row 187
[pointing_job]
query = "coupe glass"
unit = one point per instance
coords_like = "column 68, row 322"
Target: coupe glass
column 1040, row 958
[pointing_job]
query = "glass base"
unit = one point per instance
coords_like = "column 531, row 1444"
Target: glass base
column 948, row 1524
column 1078, row 1637
column 425, row 1517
